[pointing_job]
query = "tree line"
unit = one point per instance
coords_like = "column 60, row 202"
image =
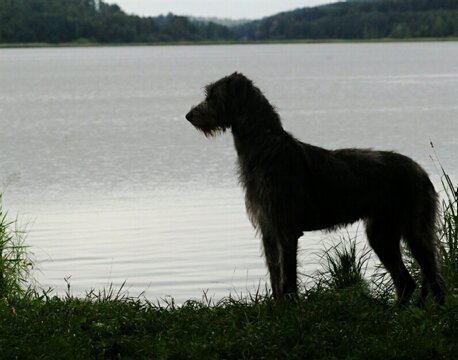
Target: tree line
column 60, row 21
column 360, row 19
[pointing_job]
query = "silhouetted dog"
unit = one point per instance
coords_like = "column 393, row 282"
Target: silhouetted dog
column 292, row 187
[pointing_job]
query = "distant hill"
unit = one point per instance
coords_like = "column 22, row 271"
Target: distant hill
column 61, row 21
column 220, row 21
column 358, row 19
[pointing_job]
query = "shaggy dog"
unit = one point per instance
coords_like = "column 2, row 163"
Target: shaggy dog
column 292, row 187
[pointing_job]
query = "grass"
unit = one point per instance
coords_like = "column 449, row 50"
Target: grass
column 344, row 266
column 338, row 324
column 343, row 316
column 449, row 228
column 15, row 261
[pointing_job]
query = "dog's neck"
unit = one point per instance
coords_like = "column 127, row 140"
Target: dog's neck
column 260, row 123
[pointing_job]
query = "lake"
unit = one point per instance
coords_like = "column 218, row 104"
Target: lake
column 114, row 184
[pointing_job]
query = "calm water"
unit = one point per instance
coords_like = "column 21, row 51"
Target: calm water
column 95, row 154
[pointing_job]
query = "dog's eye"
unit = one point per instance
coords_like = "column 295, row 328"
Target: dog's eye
column 220, row 104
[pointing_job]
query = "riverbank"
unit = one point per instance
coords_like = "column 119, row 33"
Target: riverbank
column 320, row 324
column 227, row 42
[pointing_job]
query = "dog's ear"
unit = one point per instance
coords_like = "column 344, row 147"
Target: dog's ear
column 239, row 85
column 237, row 76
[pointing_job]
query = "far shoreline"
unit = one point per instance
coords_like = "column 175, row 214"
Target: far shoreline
column 75, row 44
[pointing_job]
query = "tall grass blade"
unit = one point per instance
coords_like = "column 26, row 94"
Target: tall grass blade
column 16, row 263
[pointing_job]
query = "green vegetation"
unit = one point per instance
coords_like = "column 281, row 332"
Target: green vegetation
column 320, row 324
column 342, row 316
column 449, row 228
column 15, row 262
column 90, row 21
column 344, row 266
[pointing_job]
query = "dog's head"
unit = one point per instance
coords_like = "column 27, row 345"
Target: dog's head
column 224, row 101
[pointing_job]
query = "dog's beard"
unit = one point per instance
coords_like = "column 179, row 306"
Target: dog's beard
column 206, row 119
column 207, row 123
column 210, row 131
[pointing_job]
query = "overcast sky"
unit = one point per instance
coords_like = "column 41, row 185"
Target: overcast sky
column 235, row 9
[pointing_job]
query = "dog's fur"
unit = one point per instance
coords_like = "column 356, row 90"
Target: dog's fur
column 292, row 187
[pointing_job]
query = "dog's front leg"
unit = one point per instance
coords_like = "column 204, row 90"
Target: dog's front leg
column 273, row 260
column 288, row 255
column 281, row 259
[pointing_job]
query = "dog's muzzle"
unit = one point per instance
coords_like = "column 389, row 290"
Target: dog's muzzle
column 190, row 115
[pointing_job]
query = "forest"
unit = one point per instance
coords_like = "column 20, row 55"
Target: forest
column 63, row 21
column 360, row 19
column 67, row 21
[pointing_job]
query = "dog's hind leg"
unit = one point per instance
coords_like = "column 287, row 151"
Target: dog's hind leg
column 422, row 242
column 420, row 233
column 384, row 237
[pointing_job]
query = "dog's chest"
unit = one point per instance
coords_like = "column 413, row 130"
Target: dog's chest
column 255, row 211
column 257, row 202
column 259, row 190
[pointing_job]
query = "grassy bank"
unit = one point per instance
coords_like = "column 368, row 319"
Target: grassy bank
column 342, row 316
column 321, row 324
